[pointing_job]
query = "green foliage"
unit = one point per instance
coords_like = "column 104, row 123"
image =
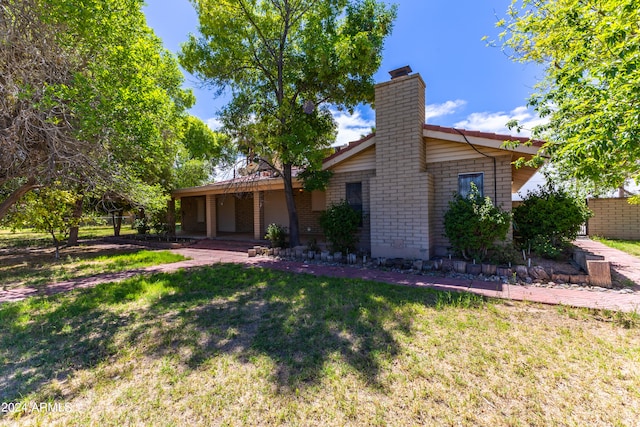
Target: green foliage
column 340, row 226
column 315, row 179
column 590, row 93
column 277, row 235
column 285, row 62
column 103, row 81
column 473, row 224
column 504, row 253
column 48, row 210
column 548, row 219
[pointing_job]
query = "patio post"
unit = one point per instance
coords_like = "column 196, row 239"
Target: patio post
column 258, row 215
column 211, row 216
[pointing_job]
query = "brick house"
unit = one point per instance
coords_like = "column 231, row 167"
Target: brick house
column 402, row 178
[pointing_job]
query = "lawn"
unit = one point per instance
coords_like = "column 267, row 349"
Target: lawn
column 23, row 262
column 632, row 247
column 228, row 345
column 29, row 238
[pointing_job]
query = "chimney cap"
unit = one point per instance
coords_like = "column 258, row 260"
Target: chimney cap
column 400, row 72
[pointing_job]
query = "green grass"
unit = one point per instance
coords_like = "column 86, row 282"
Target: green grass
column 29, row 238
column 228, row 345
column 632, row 247
column 19, row 270
column 27, row 258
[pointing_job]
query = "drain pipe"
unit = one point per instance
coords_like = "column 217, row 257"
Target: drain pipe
column 495, row 167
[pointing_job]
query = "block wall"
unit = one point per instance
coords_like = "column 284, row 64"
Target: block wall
column 244, row 213
column 336, row 192
column 399, row 191
column 614, row 219
column 445, row 184
column 189, row 215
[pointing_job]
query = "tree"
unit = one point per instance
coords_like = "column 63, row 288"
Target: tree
column 591, row 88
column 48, row 210
column 35, row 119
column 284, row 61
column 89, row 98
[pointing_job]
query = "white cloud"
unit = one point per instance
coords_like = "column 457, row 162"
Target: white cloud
column 438, row 110
column 496, row 121
column 351, row 127
column 213, row 123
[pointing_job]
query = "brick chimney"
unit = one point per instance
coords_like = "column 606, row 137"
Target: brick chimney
column 401, row 189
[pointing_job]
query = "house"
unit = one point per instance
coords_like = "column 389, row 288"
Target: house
column 402, row 179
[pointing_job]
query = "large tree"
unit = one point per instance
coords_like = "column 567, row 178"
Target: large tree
column 90, row 98
column 284, row 62
column 590, row 51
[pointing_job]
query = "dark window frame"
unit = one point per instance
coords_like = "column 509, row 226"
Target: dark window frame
column 465, row 180
column 353, row 196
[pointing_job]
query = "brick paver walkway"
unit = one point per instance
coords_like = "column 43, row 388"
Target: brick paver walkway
column 201, row 257
column 622, row 264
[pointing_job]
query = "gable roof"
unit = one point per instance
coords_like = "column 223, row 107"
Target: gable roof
column 485, row 135
column 488, row 139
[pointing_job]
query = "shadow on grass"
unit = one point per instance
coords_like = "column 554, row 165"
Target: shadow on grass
column 298, row 321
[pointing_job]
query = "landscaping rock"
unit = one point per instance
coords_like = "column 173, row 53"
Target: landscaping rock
column 522, row 271
column 538, row 273
column 489, row 269
column 474, row 269
column 460, row 266
column 252, row 253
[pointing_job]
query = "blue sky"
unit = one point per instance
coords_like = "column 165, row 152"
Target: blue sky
column 469, row 85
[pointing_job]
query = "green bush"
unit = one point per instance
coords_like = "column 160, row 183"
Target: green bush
column 277, row 235
column 340, row 226
column 473, row 224
column 548, row 220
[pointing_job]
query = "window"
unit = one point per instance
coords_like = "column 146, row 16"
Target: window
column 466, row 179
column 354, row 197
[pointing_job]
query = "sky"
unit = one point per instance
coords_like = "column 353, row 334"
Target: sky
column 469, row 85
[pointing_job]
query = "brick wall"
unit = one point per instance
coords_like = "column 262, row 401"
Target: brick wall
column 308, row 220
column 336, row 192
column 614, row 219
column 445, row 183
column 189, row 214
column 399, row 196
column 244, row 213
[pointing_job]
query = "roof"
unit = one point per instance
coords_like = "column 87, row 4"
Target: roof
column 434, row 128
column 487, row 135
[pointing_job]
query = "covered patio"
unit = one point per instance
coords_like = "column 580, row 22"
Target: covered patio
column 241, row 209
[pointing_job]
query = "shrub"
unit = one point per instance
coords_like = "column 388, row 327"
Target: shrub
column 340, row 224
column 277, row 235
column 548, row 220
column 473, row 224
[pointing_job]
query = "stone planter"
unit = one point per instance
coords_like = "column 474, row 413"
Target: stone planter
column 489, row 269
column 474, row 269
column 504, row 272
column 460, row 266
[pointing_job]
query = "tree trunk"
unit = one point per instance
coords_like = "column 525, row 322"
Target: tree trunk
column 17, row 195
column 77, row 214
column 117, row 222
column 294, row 233
column 56, row 243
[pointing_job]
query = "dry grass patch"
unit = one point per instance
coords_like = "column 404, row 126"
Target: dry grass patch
column 234, row 346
